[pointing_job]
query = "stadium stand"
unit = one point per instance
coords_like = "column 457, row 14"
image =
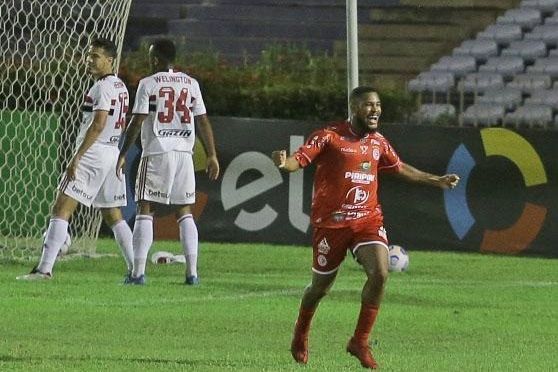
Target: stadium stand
column 516, row 70
column 545, row 6
column 530, row 115
column 547, row 33
column 510, row 98
column 397, row 38
column 547, row 97
column 481, row 50
column 525, row 17
column 457, row 65
column 503, row 34
column 547, row 66
column 504, row 65
column 435, row 81
column 478, row 82
column 528, row 83
column 483, row 114
column 460, row 52
column 432, row 113
column 526, row 49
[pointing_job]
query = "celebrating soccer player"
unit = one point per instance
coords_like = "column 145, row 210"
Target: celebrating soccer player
column 89, row 178
column 346, row 215
column 168, row 104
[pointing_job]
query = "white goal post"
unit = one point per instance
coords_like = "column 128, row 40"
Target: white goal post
column 42, row 83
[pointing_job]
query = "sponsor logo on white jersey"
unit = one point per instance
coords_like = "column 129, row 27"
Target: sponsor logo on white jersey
column 174, row 132
column 81, row 193
column 121, row 197
column 157, row 193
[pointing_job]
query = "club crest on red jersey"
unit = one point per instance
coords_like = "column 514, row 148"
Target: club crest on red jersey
column 323, row 246
column 376, row 154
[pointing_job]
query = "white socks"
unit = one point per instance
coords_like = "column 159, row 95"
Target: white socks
column 55, row 237
column 189, row 240
column 142, row 240
column 123, row 236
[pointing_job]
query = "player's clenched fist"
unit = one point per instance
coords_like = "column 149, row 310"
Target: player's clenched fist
column 279, row 158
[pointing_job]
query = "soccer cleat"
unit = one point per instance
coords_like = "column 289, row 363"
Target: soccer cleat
column 362, row 353
column 140, row 280
column 192, row 280
column 299, row 349
column 35, row 274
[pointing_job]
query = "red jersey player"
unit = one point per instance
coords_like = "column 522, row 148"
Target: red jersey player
column 346, row 214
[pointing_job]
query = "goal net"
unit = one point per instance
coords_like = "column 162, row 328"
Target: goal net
column 42, row 83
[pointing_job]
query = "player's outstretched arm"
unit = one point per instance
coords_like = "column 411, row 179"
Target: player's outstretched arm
column 412, row 174
column 280, row 159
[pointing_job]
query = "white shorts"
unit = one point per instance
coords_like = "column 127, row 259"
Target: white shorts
column 167, row 178
column 96, row 182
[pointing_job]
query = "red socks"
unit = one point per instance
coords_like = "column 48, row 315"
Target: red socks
column 366, row 320
column 303, row 322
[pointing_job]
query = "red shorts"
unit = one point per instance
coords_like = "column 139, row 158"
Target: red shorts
column 330, row 246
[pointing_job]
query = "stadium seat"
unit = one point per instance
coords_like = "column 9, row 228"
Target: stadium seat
column 527, row 18
column 552, row 20
column 502, row 34
column 544, row 6
column 479, row 82
column 530, row 82
column 430, row 113
column 546, row 33
column 510, row 98
column 508, row 66
column 547, row 97
column 481, row 50
column 432, row 81
column 529, row 50
column 547, row 66
column 530, row 116
column 457, row 65
column 483, row 114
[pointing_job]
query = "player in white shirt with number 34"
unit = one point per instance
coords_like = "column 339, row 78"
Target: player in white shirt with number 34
column 167, row 108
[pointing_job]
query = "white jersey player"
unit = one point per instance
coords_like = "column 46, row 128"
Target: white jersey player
column 109, row 94
column 89, row 178
column 94, row 182
column 168, row 106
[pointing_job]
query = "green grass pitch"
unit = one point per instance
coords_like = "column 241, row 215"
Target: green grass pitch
column 449, row 312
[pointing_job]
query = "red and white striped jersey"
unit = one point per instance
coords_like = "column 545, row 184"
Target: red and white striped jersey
column 171, row 100
column 108, row 93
